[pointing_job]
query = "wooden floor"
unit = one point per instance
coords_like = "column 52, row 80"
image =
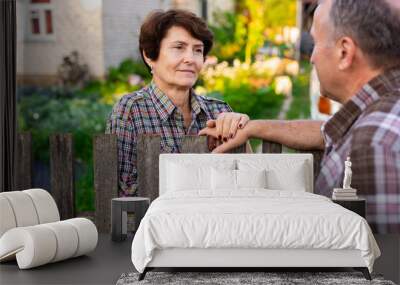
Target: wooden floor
column 111, row 259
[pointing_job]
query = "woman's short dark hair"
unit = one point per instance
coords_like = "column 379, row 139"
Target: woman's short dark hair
column 157, row 23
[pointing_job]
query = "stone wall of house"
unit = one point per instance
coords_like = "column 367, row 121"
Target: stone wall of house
column 121, row 25
column 77, row 25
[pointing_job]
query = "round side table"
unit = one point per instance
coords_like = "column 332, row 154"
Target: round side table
column 120, row 207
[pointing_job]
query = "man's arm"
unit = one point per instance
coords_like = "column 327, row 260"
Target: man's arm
column 301, row 134
column 297, row 134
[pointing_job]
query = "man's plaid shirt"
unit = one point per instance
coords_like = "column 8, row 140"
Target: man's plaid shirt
column 367, row 129
column 150, row 111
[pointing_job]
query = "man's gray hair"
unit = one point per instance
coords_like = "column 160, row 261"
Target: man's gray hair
column 374, row 25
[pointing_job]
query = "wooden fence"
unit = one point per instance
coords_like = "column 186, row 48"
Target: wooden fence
column 105, row 165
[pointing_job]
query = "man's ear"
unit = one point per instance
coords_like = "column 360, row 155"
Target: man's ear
column 347, row 50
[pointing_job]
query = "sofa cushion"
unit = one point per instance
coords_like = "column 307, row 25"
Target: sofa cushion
column 34, row 244
column 7, row 215
column 23, row 208
column 27, row 208
column 40, row 244
column 45, row 205
column 67, row 240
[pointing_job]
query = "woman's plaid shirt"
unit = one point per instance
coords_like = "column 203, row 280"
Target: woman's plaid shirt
column 367, row 129
column 150, row 111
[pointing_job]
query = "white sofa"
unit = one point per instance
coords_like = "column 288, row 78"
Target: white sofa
column 31, row 231
column 247, row 210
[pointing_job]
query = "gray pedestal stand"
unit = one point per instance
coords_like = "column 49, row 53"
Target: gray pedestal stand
column 120, row 207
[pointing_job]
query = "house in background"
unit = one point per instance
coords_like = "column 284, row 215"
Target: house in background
column 103, row 32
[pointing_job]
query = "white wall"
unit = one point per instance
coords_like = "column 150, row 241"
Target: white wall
column 77, row 26
column 121, row 24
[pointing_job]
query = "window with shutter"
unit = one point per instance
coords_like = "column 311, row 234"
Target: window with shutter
column 40, row 22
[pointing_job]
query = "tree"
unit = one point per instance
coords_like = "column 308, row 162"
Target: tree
column 253, row 20
column 240, row 34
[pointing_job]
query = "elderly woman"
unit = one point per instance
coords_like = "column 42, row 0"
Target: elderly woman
column 173, row 45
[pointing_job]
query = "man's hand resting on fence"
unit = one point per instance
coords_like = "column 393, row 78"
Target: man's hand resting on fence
column 227, row 132
column 296, row 134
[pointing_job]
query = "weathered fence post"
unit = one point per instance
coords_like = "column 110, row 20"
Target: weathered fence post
column 271, row 147
column 198, row 144
column 148, row 151
column 194, row 144
column 62, row 174
column 24, row 161
column 239, row 149
column 105, row 166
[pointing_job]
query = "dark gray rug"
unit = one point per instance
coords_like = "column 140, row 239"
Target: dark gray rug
column 242, row 278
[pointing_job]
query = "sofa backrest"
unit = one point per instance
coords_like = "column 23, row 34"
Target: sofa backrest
column 26, row 208
column 284, row 171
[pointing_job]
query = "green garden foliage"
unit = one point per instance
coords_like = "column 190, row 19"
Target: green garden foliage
column 250, row 84
column 249, row 88
column 240, row 34
column 57, row 113
column 82, row 112
column 129, row 76
column 301, row 104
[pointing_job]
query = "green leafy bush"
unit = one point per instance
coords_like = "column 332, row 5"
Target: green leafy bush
column 301, row 104
column 129, row 76
column 47, row 115
column 249, row 88
column 241, row 33
column 81, row 112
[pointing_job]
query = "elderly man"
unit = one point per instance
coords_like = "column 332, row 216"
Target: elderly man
column 357, row 58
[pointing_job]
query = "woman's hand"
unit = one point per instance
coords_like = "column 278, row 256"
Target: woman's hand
column 226, row 125
column 218, row 146
column 223, row 129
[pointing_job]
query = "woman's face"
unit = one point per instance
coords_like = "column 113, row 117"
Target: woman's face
column 180, row 59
